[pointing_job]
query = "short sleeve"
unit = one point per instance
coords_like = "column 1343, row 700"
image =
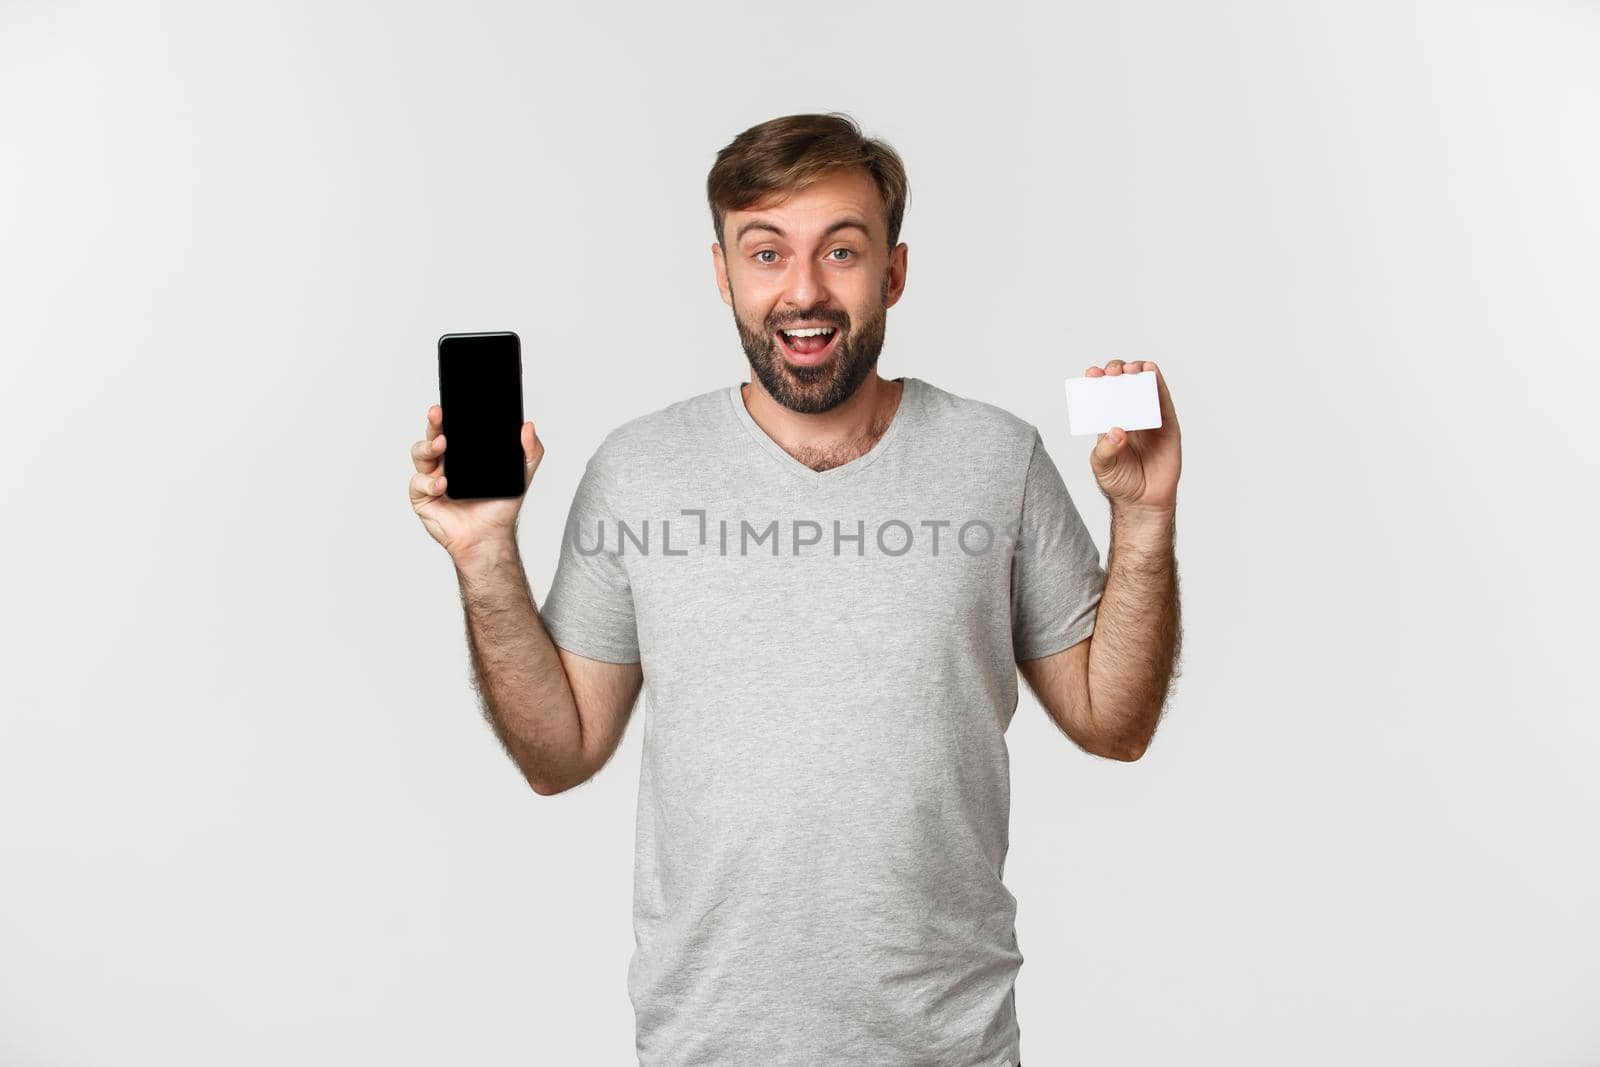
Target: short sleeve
column 1056, row 576
column 589, row 609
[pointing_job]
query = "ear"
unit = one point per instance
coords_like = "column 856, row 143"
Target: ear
column 720, row 265
column 897, row 274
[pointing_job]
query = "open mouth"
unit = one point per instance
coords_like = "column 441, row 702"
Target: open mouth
column 808, row 346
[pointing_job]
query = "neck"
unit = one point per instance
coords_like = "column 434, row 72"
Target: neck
column 827, row 438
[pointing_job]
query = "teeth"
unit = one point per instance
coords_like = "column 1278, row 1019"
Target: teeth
column 810, row 331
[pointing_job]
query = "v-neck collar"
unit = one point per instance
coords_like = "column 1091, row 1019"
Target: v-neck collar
column 908, row 410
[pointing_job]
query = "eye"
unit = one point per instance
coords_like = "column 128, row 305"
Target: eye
column 765, row 252
column 850, row 251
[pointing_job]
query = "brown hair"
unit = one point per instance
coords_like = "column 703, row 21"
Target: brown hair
column 787, row 154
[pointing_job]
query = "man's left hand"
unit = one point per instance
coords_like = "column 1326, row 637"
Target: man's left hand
column 1138, row 469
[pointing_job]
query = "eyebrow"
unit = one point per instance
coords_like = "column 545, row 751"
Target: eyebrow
column 763, row 224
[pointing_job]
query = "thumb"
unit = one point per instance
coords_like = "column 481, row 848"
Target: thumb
column 532, row 449
column 1106, row 450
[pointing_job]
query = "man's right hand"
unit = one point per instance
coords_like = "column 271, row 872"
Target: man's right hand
column 466, row 526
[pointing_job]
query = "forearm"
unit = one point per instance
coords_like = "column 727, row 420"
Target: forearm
column 517, row 671
column 1137, row 635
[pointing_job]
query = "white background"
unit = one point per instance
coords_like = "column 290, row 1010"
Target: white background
column 249, row 813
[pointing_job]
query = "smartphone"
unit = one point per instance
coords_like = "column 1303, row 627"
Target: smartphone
column 480, row 403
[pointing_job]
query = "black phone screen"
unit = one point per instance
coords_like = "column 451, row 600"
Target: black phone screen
column 480, row 402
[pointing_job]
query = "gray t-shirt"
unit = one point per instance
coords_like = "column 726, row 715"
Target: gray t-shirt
column 829, row 666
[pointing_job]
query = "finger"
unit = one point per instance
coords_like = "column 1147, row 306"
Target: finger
column 1114, row 366
column 1093, row 372
column 435, row 422
column 424, row 486
column 1169, row 417
column 1104, row 457
column 426, row 454
column 532, row 450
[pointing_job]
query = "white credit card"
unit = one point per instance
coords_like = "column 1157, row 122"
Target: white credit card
column 1094, row 405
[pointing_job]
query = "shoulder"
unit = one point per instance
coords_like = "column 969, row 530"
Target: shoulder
column 649, row 445
column 672, row 422
column 976, row 426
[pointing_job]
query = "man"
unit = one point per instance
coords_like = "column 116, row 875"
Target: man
column 829, row 581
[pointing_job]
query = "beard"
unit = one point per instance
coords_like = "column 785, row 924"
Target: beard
column 810, row 390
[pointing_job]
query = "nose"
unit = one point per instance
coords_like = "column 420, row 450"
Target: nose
column 805, row 288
